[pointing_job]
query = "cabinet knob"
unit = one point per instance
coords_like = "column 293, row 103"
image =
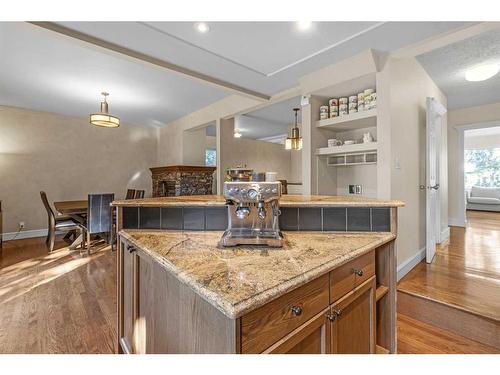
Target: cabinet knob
column 131, row 249
column 296, row 310
column 358, row 272
column 331, row 317
column 337, row 312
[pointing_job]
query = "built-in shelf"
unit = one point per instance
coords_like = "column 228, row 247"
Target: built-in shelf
column 348, row 149
column 358, row 120
column 380, row 292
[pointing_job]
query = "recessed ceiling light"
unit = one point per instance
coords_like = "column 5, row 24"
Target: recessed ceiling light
column 202, row 27
column 304, row 25
column 481, row 72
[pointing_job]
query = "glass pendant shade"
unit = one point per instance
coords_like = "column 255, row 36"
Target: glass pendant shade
column 104, row 119
column 294, row 142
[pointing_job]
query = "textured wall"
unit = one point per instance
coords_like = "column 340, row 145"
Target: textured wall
column 67, row 158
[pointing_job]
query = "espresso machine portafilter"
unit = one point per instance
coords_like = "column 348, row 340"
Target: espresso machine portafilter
column 253, row 212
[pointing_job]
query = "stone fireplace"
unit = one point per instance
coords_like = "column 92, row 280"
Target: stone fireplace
column 177, row 180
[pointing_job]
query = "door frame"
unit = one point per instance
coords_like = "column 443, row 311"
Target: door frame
column 461, row 221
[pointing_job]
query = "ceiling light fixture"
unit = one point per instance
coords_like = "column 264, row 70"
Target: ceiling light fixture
column 481, row 72
column 104, row 119
column 237, row 133
column 294, row 142
column 304, row 25
column 202, row 27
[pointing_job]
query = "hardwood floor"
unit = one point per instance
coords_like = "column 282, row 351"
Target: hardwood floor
column 460, row 290
column 465, row 271
column 56, row 303
column 415, row 337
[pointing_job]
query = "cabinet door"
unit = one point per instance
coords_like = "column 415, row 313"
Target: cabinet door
column 313, row 337
column 353, row 321
column 126, row 307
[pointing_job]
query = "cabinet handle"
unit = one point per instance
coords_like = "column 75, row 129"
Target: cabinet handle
column 296, row 310
column 331, row 317
column 358, row 272
column 131, row 249
column 337, row 312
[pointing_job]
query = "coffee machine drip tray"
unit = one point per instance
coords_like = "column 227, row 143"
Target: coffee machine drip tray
column 244, row 236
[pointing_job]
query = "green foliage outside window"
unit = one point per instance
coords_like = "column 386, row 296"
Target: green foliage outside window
column 482, row 167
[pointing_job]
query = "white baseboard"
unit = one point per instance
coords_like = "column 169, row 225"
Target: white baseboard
column 445, row 234
column 409, row 263
column 25, row 234
column 454, row 222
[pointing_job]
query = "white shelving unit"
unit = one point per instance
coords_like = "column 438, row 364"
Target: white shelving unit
column 349, row 149
column 358, row 120
column 352, row 159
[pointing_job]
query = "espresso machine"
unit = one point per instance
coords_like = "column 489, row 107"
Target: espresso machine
column 253, row 211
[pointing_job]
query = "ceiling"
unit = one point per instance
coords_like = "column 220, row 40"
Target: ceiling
column 270, row 121
column 45, row 71
column 447, row 66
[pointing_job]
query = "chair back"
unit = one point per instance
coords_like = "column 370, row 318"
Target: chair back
column 50, row 212
column 99, row 214
column 130, row 194
column 139, row 194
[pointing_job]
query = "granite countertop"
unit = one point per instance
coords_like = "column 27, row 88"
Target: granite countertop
column 285, row 201
column 238, row 280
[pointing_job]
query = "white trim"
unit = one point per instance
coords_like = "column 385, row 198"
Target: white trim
column 410, row 263
column 456, row 222
column 445, row 234
column 25, row 234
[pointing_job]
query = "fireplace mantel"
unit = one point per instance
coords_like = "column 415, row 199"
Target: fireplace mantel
column 177, row 180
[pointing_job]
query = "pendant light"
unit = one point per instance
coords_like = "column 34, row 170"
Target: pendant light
column 294, row 142
column 104, row 119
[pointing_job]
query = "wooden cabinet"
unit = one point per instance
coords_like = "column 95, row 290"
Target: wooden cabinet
column 353, row 321
column 313, row 337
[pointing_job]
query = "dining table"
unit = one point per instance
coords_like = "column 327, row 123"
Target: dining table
column 76, row 210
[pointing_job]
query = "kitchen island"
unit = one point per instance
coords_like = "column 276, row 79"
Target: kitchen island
column 329, row 289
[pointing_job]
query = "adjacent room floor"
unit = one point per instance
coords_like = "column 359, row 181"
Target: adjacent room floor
column 65, row 303
column 463, row 277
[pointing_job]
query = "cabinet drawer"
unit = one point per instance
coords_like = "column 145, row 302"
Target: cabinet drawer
column 350, row 275
column 263, row 327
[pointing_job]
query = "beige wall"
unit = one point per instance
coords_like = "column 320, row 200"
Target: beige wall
column 67, row 158
column 464, row 116
column 409, row 87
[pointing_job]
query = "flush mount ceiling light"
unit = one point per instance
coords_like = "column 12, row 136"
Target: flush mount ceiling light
column 481, row 72
column 304, row 25
column 237, row 133
column 201, row 27
column 104, row 119
column 294, row 142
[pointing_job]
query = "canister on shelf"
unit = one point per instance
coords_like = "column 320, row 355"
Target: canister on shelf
column 334, row 108
column 361, row 107
column 368, row 92
column 361, row 97
column 353, row 107
column 323, row 109
column 323, row 116
column 334, row 114
column 353, row 99
column 343, row 101
column 334, row 102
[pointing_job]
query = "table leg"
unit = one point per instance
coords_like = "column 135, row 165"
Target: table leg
column 76, row 242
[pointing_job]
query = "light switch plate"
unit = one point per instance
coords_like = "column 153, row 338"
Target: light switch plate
column 355, row 189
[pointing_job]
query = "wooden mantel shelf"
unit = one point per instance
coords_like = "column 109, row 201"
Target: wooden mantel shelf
column 182, row 168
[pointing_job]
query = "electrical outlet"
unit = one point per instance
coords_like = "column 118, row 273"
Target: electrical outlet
column 21, row 225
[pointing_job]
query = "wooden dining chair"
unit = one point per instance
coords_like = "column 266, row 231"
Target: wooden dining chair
column 130, row 194
column 99, row 217
column 57, row 223
column 139, row 194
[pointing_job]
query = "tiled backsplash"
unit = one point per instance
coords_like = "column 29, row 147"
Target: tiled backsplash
column 350, row 219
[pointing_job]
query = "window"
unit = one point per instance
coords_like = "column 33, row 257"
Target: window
column 482, row 168
column 210, row 157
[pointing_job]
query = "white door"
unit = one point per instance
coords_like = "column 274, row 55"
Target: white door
column 435, row 112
